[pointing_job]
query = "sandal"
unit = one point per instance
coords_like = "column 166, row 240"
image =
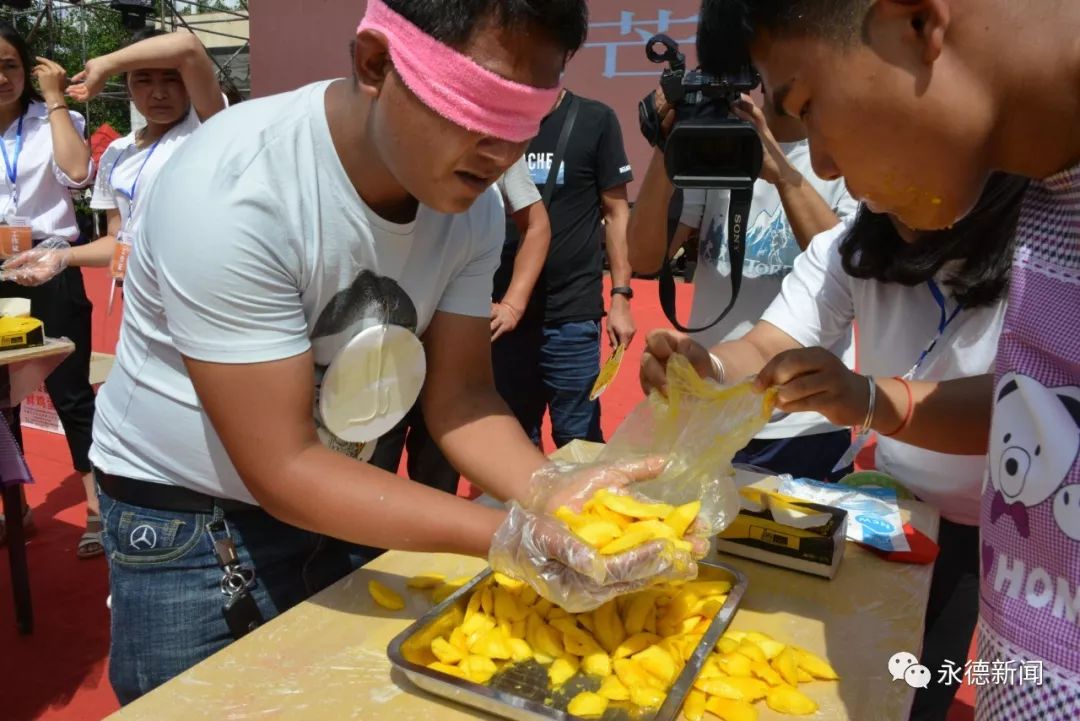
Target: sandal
column 90, row 543
column 28, row 526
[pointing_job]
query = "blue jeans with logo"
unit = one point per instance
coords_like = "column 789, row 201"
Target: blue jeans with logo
column 165, row 584
column 551, row 367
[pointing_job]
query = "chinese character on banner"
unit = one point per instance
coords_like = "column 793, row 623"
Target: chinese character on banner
column 1003, row 673
column 977, row 673
column 1031, row 672
column 622, row 40
column 950, row 674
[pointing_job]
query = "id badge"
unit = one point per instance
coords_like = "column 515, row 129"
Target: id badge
column 121, row 253
column 15, row 236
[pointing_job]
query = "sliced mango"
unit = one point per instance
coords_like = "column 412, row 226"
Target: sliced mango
column 613, row 689
column 520, row 650
column 609, row 627
column 720, row 686
column 751, row 651
column 640, row 606
column 787, row 666
column 766, row 673
column 636, row 644
column 588, row 705
column 629, row 506
column 680, row 519
column 562, row 670
column 770, row 647
column 598, row 533
column 790, row 701
column 385, row 597
column 479, row 669
column 814, row 665
column 736, row 664
column 446, row 652
column 492, row 644
column 694, row 706
column 658, row 663
column 448, row 670
column 510, row 584
column 646, row 697
column 597, row 664
column 631, row 538
column 752, row 689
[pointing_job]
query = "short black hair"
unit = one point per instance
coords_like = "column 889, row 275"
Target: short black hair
column 453, row 22
column 727, row 27
column 26, row 56
column 981, row 243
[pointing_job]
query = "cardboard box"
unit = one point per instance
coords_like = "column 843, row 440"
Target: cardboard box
column 787, row 532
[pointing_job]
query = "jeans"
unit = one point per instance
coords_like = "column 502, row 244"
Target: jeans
column 165, row 584
column 810, row 456
column 551, row 367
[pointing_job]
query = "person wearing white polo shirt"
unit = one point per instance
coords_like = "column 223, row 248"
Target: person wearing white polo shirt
column 45, row 156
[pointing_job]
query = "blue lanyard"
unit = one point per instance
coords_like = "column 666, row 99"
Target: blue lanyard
column 130, row 194
column 943, row 323
column 13, row 168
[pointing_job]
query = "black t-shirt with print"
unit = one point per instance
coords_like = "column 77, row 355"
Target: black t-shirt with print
column 571, row 286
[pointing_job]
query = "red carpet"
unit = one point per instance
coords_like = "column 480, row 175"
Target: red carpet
column 59, row 673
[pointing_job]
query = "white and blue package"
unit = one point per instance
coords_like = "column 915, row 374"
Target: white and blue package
column 873, row 513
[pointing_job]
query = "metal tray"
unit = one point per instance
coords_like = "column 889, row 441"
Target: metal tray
column 520, row 692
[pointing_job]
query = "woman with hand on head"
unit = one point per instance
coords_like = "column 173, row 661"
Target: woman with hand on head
column 45, row 155
column 173, row 84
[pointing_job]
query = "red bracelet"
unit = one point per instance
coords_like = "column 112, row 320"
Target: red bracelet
column 910, row 408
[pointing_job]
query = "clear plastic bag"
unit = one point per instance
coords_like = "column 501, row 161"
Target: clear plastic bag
column 674, row 449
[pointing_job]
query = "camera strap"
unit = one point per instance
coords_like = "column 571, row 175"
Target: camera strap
column 560, row 149
column 738, row 215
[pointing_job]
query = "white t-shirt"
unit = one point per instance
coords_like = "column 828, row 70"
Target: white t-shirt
column 44, row 189
column 256, row 247
column 122, row 163
column 517, row 187
column 771, row 248
column 818, row 305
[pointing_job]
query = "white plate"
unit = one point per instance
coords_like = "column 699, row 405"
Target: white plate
column 372, row 383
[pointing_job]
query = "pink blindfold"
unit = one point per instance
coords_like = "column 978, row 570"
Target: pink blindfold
column 455, row 86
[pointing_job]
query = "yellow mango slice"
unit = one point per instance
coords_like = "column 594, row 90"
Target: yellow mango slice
column 557, row 612
column 689, row 624
column 720, row 686
column 587, row 705
column 586, row 621
column 609, row 627
column 565, row 625
column 477, row 624
column 631, row 538
column 425, row 581
column 787, row 666
column 766, row 673
column 689, row 645
column 639, row 606
column 751, row 651
column 752, row 689
column 711, row 669
column 770, row 647
column 572, row 520
column 732, row 709
column 736, row 636
column 790, row 701
column 385, row 597
column 528, row 596
column 804, row 676
column 597, row 664
column 487, row 601
column 478, row 669
column 448, row 670
column 543, row 607
column 710, row 589
column 680, row 607
column 814, row 665
column 578, row 642
column 520, row 650
column 562, row 670
column 682, row 516
column 727, row 645
column 613, row 689
column 459, row 640
column 492, row 644
column 510, row 584
column 694, row 706
column 598, row 533
column 517, row 629
column 604, row 513
column 736, row 664
column 635, row 644
column 507, row 606
column 547, row 642
column 708, row 607
column 446, row 652
column 630, row 673
column 628, row 506
column 646, row 697
column 659, row 663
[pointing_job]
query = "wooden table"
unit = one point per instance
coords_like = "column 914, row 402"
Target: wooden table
column 21, row 372
column 326, row 658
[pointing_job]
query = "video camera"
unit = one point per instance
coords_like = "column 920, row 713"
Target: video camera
column 709, row 146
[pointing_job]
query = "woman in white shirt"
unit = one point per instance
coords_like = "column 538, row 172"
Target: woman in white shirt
column 45, row 155
column 173, row 84
column 929, row 306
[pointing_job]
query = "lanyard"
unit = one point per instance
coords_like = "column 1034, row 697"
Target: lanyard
column 130, row 194
column 944, row 322
column 13, row 167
